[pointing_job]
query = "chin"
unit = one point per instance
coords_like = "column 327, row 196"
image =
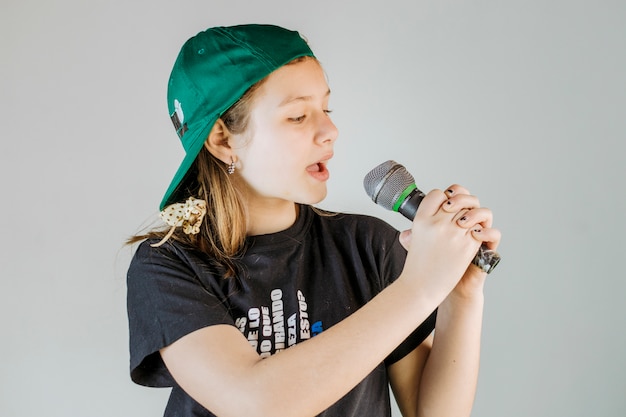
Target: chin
column 313, row 198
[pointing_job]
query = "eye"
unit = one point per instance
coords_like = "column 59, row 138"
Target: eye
column 328, row 111
column 297, row 119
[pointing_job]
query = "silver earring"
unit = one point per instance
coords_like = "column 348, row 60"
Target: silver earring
column 231, row 167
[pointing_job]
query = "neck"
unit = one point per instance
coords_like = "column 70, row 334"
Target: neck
column 270, row 216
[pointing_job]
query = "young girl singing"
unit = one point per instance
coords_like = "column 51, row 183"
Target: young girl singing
column 250, row 301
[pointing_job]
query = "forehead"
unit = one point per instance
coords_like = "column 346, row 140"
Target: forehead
column 300, row 79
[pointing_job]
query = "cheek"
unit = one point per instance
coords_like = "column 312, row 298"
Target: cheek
column 267, row 169
column 271, row 152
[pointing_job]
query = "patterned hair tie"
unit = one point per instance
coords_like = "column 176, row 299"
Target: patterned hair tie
column 189, row 215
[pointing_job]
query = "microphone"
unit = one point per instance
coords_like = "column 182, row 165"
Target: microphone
column 391, row 186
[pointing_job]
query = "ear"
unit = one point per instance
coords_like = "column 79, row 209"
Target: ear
column 218, row 142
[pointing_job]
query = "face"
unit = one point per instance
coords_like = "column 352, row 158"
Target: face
column 283, row 155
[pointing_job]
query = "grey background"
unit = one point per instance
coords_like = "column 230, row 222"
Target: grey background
column 523, row 102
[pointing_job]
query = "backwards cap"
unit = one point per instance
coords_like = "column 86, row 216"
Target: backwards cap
column 212, row 71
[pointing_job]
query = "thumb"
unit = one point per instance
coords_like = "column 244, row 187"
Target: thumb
column 405, row 238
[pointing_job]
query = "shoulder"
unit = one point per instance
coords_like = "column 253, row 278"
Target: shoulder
column 358, row 233
column 365, row 245
column 146, row 254
column 168, row 263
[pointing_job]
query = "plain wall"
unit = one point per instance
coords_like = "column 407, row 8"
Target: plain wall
column 521, row 101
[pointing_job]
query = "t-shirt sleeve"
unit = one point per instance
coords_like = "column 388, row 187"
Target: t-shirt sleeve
column 167, row 298
column 413, row 340
column 393, row 265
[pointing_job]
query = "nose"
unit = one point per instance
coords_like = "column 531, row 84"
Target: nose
column 327, row 131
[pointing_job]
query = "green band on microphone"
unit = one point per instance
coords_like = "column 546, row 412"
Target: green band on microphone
column 408, row 190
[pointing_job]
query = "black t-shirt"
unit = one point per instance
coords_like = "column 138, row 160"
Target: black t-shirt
column 291, row 286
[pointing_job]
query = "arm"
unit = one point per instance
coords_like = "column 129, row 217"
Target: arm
column 451, row 372
column 218, row 368
column 439, row 377
column 405, row 377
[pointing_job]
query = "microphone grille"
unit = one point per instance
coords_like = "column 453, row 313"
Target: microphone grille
column 386, row 182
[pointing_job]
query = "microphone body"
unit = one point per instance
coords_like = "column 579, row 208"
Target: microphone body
column 391, row 186
column 409, row 206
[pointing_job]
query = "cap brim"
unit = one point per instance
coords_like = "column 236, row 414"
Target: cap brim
column 197, row 139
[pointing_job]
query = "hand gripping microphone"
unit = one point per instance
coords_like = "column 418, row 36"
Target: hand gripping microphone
column 391, row 186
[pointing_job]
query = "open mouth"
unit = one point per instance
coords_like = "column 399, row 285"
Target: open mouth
column 319, row 167
column 318, row 171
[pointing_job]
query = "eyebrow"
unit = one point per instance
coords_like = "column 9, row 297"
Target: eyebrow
column 289, row 100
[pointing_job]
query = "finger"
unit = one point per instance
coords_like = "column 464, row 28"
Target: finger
column 431, row 203
column 478, row 216
column 488, row 236
column 459, row 202
column 456, row 189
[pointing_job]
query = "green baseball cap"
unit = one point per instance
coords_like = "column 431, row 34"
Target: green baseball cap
column 212, row 71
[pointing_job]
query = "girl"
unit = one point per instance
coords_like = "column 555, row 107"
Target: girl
column 253, row 303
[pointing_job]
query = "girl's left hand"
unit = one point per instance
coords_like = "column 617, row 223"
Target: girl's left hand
column 469, row 215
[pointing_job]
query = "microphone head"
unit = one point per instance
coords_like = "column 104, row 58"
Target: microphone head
column 386, row 183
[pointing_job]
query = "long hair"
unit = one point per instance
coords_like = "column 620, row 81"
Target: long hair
column 222, row 234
